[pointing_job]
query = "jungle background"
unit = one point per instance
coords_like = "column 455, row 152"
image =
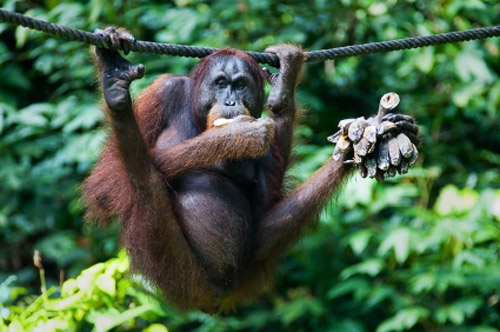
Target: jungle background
column 418, row 252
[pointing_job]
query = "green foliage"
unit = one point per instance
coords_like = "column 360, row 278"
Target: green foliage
column 101, row 296
column 426, row 268
column 419, row 252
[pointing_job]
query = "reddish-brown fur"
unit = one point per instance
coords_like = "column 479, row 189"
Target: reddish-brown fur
column 223, row 249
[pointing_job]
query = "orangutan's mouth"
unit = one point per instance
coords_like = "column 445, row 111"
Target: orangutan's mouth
column 222, row 122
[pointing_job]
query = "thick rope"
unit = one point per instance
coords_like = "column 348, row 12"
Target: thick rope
column 265, row 58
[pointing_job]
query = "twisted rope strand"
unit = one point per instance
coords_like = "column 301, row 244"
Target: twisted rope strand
column 404, row 44
column 265, row 58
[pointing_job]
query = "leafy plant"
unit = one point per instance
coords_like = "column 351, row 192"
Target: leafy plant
column 101, row 296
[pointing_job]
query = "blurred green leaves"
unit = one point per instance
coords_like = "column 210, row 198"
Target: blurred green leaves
column 89, row 300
